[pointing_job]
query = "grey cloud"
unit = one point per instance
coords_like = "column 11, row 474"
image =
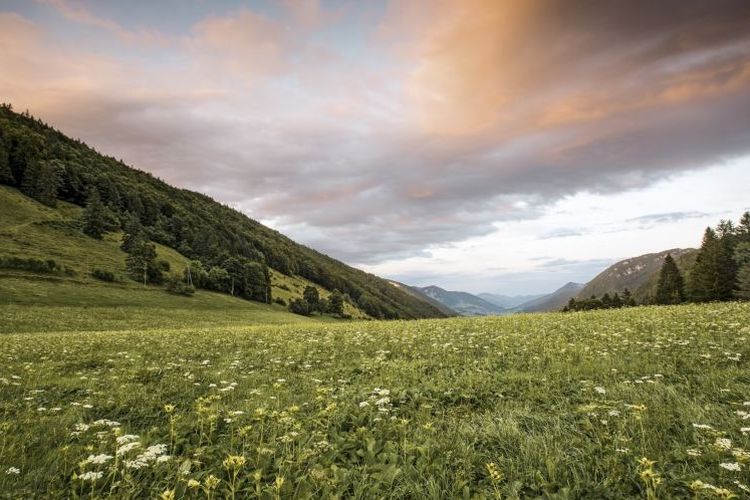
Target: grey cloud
column 671, row 93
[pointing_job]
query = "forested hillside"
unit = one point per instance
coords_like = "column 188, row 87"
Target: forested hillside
column 228, row 251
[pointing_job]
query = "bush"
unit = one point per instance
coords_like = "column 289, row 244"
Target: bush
column 300, row 306
column 280, row 301
column 102, row 275
column 178, row 287
column 35, row 265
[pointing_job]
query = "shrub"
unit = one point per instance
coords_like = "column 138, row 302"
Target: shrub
column 280, row 301
column 35, row 265
column 178, row 287
column 103, row 275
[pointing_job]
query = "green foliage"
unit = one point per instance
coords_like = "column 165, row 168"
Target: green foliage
column 97, row 219
column 606, row 302
column 336, row 303
column 671, row 287
column 712, row 276
column 178, row 286
column 523, row 406
column 103, row 275
column 301, row 307
column 742, row 259
column 312, row 297
column 196, row 225
column 141, row 264
column 30, row 264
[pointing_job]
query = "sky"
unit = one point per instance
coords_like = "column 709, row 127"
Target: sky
column 479, row 145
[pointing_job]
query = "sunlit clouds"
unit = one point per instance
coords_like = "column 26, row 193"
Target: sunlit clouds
column 387, row 132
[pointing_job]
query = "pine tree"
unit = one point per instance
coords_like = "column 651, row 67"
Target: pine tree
column 311, row 296
column 41, row 181
column 742, row 258
column 671, row 287
column 6, row 174
column 95, row 222
column 712, row 276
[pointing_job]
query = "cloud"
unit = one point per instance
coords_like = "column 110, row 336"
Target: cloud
column 453, row 117
column 669, row 217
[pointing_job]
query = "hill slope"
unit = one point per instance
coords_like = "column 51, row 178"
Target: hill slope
column 47, row 165
column 553, row 301
column 638, row 274
column 463, row 303
column 417, row 292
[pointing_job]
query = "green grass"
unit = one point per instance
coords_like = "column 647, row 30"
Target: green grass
column 526, row 406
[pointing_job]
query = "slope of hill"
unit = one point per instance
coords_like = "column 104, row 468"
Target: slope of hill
column 417, row 292
column 553, row 301
column 508, row 301
column 46, row 165
column 463, row 303
column 637, row 274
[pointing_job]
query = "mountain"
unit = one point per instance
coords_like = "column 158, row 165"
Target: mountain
column 463, row 303
column 638, row 274
column 553, row 301
column 417, row 292
column 65, row 174
column 508, row 301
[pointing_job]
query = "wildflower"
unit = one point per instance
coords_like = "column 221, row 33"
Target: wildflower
column 495, row 475
column 600, row 390
column 167, row 495
column 693, row 452
column 623, row 450
column 127, row 438
column 745, row 430
column 98, row 459
column 234, row 462
column 703, row 427
column 127, row 447
column 731, row 466
column 211, row 482
column 193, row 484
column 168, row 409
column 723, row 443
column 90, row 476
column 13, row 471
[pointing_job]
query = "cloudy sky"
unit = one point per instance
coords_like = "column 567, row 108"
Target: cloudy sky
column 479, row 145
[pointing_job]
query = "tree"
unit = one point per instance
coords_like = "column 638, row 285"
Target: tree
column 312, row 297
column 141, row 264
column 712, row 276
column 671, row 287
column 336, row 303
column 742, row 258
column 6, row 174
column 627, row 298
column 41, row 181
column 300, row 306
column 95, row 222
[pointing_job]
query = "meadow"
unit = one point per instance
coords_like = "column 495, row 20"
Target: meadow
column 634, row 403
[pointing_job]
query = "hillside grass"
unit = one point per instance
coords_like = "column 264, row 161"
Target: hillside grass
column 525, row 406
column 29, row 229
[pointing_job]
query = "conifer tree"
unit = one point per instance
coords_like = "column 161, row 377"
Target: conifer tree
column 742, row 258
column 95, row 222
column 671, row 287
column 6, row 174
column 41, row 181
column 712, row 276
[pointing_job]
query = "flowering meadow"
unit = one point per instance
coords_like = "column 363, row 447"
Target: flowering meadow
column 632, row 403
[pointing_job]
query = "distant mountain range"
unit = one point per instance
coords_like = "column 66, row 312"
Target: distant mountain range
column 507, row 301
column 637, row 274
column 417, row 292
column 462, row 303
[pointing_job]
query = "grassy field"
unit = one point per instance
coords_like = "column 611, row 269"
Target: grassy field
column 634, row 403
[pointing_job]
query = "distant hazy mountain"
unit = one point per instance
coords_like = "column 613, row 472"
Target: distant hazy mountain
column 463, row 303
column 638, row 274
column 508, row 301
column 553, row 301
column 417, row 292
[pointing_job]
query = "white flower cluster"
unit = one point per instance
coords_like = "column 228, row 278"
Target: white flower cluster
column 154, row 453
column 91, row 476
column 97, row 459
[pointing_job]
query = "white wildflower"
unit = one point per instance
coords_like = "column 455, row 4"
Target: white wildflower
column 13, row 471
column 98, row 459
column 733, row 466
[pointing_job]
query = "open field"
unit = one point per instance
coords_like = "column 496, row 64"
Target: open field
column 557, row 406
